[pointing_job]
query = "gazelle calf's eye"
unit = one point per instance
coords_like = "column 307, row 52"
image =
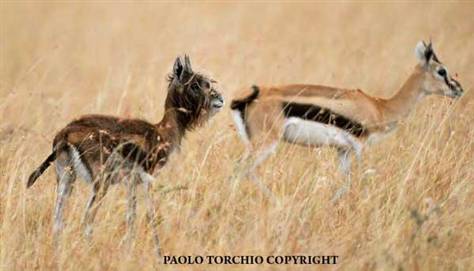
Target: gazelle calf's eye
column 442, row 72
column 195, row 86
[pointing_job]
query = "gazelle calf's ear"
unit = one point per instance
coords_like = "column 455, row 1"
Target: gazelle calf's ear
column 178, row 68
column 423, row 52
column 182, row 71
column 187, row 65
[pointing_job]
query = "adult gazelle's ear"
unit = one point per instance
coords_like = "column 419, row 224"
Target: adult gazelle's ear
column 424, row 53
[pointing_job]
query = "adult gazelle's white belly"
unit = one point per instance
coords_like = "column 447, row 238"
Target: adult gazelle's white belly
column 312, row 133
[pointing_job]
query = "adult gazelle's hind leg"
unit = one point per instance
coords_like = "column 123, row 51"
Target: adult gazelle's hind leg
column 260, row 133
column 253, row 160
column 151, row 212
column 66, row 176
column 260, row 157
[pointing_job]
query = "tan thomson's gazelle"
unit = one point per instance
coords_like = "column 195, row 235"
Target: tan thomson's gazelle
column 316, row 115
column 105, row 150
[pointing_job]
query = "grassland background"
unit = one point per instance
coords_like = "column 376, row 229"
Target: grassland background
column 411, row 205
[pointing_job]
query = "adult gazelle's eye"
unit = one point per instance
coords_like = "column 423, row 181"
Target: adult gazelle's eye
column 442, row 72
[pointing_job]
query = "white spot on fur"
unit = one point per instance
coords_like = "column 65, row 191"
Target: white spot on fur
column 79, row 166
column 240, row 125
column 216, row 106
column 144, row 176
column 312, row 133
column 420, row 52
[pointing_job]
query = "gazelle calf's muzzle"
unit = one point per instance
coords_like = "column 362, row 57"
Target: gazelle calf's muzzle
column 217, row 101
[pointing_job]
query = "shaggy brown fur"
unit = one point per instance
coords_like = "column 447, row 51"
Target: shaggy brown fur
column 105, row 149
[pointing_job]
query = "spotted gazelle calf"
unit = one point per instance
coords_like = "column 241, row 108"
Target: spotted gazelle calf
column 105, row 150
column 315, row 115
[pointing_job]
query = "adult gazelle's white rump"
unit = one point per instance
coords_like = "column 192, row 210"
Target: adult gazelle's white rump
column 314, row 115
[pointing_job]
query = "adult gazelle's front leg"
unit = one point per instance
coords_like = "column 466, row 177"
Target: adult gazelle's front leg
column 345, row 165
column 345, row 162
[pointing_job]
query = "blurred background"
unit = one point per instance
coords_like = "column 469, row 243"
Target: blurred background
column 104, row 51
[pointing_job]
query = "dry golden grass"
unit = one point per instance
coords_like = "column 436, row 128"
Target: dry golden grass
column 415, row 212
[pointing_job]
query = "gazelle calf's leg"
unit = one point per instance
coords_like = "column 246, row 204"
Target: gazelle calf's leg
column 66, row 176
column 131, row 208
column 95, row 200
column 89, row 215
column 100, row 186
column 146, row 179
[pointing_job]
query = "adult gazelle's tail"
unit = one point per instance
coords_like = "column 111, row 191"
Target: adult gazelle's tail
column 239, row 108
column 241, row 104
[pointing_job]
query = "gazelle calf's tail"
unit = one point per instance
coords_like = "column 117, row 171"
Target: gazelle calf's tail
column 35, row 174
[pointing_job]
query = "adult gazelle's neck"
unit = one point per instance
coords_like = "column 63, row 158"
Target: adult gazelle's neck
column 403, row 102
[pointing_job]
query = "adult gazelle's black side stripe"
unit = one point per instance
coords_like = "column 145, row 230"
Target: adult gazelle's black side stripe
column 241, row 106
column 323, row 115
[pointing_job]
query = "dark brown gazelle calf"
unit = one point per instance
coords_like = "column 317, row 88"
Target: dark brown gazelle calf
column 105, row 150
